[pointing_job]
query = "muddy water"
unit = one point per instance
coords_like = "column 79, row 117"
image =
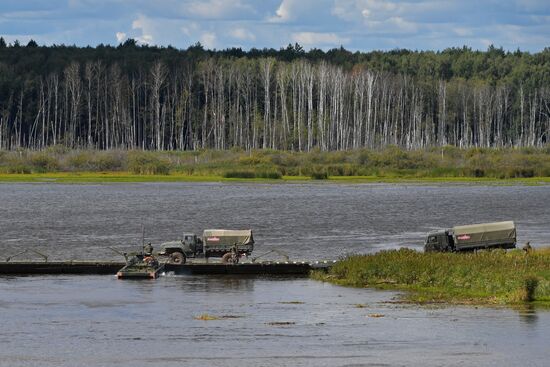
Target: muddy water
column 101, row 321
column 307, row 221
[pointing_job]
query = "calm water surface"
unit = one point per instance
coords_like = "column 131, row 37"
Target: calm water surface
column 307, row 221
column 102, row 321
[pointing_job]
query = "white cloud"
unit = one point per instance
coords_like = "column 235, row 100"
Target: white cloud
column 357, row 24
column 217, row 8
column 146, row 26
column 463, row 32
column 208, row 40
column 403, row 24
column 189, row 29
column 354, row 10
column 120, row 36
column 314, row 39
column 242, row 34
column 485, row 42
column 290, row 10
column 283, row 12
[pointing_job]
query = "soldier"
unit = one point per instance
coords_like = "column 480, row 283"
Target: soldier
column 234, row 254
column 148, row 249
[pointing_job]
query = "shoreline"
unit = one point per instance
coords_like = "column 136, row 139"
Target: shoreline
column 486, row 278
column 128, row 177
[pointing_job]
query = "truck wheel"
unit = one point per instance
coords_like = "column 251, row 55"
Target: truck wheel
column 177, row 258
column 227, row 258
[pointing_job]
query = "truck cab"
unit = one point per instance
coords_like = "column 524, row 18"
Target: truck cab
column 438, row 241
column 192, row 242
column 178, row 251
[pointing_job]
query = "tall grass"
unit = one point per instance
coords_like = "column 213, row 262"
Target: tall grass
column 147, row 163
column 390, row 162
column 483, row 277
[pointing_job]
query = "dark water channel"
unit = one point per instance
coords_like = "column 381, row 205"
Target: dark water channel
column 102, row 321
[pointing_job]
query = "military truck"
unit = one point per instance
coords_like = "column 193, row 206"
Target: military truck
column 224, row 243
column 472, row 237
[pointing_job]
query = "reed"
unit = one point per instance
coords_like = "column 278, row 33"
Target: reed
column 495, row 277
column 389, row 163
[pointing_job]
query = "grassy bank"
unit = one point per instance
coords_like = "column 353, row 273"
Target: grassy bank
column 488, row 277
column 391, row 164
column 129, row 177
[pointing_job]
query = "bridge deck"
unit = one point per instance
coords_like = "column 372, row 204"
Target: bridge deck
column 111, row 267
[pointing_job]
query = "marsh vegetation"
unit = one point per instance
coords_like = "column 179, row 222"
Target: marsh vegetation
column 392, row 162
column 486, row 277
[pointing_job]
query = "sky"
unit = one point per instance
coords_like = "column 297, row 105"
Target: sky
column 362, row 25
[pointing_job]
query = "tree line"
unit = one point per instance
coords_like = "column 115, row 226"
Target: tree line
column 141, row 97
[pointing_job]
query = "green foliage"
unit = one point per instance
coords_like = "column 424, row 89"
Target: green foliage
column 24, row 69
column 114, row 161
column 270, row 174
column 319, row 175
column 530, row 284
column 484, row 277
column 80, row 161
column 18, row 168
column 147, row 163
column 239, row 174
column 43, row 162
column 446, row 162
column 96, row 161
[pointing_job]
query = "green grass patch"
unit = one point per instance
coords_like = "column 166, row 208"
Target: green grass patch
column 147, row 163
column 485, row 277
column 446, row 164
column 239, row 174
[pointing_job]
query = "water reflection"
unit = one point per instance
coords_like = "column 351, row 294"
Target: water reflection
column 257, row 321
column 212, row 283
column 527, row 314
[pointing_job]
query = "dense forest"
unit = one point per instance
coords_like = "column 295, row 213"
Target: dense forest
column 162, row 98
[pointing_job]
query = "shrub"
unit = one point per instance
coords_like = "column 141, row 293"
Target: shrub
column 270, row 174
column 58, row 149
column 477, row 172
column 146, row 163
column 239, row 174
column 81, row 160
column 113, row 161
column 18, row 168
column 42, row 162
column 530, row 284
column 319, row 175
column 364, row 157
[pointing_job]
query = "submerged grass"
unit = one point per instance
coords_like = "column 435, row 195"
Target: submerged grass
column 486, row 277
column 207, row 317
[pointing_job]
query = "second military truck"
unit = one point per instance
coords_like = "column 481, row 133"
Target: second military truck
column 224, row 243
column 472, row 237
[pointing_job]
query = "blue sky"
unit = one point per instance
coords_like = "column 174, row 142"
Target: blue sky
column 355, row 24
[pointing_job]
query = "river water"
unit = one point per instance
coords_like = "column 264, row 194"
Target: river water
column 307, row 221
column 102, row 321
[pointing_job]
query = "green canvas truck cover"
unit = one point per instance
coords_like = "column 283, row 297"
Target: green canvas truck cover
column 489, row 234
column 225, row 238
